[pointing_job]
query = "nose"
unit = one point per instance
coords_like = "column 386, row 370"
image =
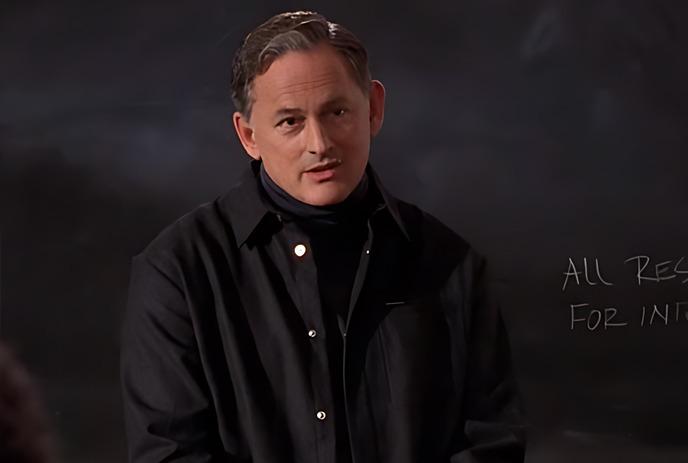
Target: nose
column 317, row 141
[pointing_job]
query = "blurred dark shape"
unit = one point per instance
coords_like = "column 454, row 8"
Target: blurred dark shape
column 24, row 432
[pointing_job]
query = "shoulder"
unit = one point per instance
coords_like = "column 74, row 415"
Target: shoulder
column 430, row 232
column 438, row 245
column 426, row 232
column 205, row 226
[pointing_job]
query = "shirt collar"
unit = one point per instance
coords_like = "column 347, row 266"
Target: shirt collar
column 248, row 206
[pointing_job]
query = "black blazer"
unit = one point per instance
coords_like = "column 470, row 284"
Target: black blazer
column 223, row 349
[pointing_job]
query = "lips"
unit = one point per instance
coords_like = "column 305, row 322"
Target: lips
column 321, row 167
column 322, row 172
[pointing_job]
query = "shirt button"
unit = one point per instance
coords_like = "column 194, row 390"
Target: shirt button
column 312, row 333
column 321, row 415
column 300, row 250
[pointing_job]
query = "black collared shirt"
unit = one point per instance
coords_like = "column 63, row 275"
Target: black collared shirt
column 336, row 234
column 224, row 348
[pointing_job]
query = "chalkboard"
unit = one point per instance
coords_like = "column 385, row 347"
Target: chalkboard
column 550, row 134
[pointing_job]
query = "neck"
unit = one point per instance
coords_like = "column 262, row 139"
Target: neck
column 353, row 205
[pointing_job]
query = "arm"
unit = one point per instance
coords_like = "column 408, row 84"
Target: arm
column 167, row 408
column 493, row 428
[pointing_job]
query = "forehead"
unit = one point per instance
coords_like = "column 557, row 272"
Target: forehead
column 313, row 74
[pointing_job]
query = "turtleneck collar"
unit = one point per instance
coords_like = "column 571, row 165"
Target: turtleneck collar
column 353, row 206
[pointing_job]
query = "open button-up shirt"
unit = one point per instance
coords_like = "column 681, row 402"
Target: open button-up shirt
column 224, row 354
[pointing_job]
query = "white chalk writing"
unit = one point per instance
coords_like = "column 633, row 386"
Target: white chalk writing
column 585, row 316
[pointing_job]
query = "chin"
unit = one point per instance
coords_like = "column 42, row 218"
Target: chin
column 327, row 198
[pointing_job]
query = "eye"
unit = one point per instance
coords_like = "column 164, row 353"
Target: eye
column 289, row 122
column 339, row 112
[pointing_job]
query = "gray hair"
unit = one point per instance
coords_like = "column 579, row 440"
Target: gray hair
column 292, row 31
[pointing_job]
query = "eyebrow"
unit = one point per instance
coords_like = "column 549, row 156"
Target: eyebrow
column 291, row 111
column 286, row 112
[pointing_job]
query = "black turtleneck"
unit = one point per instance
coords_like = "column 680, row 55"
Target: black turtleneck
column 331, row 214
column 337, row 233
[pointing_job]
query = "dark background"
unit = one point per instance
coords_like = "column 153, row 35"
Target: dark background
column 538, row 130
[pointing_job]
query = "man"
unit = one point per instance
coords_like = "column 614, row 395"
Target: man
column 308, row 315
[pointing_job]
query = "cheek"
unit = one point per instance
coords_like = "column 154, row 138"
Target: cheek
column 279, row 150
column 359, row 143
column 354, row 136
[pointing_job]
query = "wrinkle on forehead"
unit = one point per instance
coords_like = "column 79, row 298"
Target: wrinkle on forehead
column 311, row 74
column 316, row 82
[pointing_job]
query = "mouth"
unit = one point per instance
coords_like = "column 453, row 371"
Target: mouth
column 322, row 172
column 323, row 167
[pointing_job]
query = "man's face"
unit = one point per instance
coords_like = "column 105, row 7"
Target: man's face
column 311, row 124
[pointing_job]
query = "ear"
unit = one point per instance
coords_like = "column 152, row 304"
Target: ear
column 377, row 106
column 246, row 134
